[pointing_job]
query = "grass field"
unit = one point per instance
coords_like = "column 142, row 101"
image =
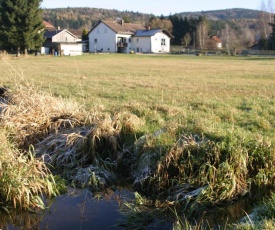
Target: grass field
column 214, row 118
column 213, row 92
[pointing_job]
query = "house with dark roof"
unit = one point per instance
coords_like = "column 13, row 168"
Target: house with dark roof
column 62, row 42
column 120, row 37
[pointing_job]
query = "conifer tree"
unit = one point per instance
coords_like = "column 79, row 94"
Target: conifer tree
column 21, row 24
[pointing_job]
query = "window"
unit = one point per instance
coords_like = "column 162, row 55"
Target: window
column 105, row 30
column 163, row 42
column 95, row 40
column 137, row 39
column 98, row 31
column 130, row 40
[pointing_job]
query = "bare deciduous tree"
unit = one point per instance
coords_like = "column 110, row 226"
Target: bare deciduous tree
column 248, row 38
column 186, row 39
column 202, row 34
column 230, row 39
column 265, row 17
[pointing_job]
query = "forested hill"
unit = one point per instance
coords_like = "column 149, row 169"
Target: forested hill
column 227, row 14
column 79, row 18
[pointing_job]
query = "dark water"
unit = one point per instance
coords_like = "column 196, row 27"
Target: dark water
column 83, row 211
column 80, row 209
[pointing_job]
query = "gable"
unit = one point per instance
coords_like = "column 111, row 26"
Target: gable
column 120, row 27
column 61, row 36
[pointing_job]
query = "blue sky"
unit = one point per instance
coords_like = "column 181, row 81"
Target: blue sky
column 156, row 7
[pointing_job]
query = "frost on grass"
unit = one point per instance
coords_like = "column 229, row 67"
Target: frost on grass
column 69, row 139
column 85, row 155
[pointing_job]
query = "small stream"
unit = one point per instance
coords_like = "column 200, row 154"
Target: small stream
column 80, row 209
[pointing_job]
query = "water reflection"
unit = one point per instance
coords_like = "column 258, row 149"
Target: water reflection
column 78, row 209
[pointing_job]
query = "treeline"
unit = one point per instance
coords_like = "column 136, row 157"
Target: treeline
column 228, row 14
column 237, row 28
column 80, row 18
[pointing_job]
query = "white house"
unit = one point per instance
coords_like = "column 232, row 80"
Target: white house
column 119, row 37
column 62, row 42
column 152, row 41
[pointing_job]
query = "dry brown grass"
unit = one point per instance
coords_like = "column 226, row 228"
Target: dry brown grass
column 82, row 146
column 31, row 115
column 23, row 178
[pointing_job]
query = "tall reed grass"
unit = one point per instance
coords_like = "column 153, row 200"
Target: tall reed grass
column 23, row 178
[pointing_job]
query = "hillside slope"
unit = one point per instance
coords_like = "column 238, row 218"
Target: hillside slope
column 79, row 18
column 228, row 14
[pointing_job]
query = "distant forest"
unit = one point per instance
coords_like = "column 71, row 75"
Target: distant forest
column 241, row 26
column 80, row 18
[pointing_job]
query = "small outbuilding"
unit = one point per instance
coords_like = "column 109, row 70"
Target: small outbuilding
column 62, row 42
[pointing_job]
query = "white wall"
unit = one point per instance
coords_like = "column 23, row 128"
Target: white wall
column 105, row 39
column 71, row 49
column 142, row 44
column 157, row 46
column 45, row 50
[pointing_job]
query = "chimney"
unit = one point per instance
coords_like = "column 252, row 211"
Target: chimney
column 148, row 27
column 122, row 22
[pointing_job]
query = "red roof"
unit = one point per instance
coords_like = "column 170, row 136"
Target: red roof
column 48, row 25
column 216, row 39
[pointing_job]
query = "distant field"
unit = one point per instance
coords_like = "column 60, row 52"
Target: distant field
column 213, row 94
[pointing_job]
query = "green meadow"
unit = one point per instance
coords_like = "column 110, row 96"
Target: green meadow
column 213, row 94
column 195, row 131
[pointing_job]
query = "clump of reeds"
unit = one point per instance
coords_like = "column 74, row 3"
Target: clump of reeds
column 23, row 178
column 83, row 147
column 86, row 155
column 31, row 114
column 195, row 170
